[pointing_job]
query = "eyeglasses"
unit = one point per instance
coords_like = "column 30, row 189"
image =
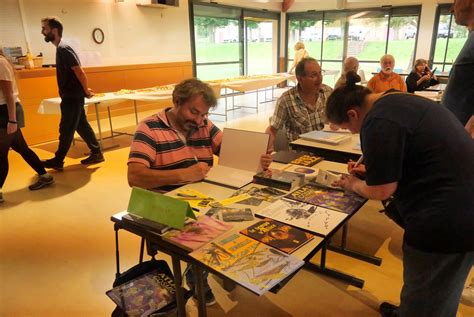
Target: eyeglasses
column 316, row 74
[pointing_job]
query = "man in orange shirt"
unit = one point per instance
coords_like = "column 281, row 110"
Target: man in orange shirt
column 386, row 79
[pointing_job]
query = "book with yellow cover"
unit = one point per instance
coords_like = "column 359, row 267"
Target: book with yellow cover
column 248, row 262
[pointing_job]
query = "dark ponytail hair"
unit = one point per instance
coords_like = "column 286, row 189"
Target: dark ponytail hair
column 345, row 98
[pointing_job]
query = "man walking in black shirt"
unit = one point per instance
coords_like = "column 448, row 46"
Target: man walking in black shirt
column 72, row 84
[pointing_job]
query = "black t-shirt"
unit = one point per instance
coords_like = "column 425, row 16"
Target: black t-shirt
column 421, row 145
column 413, row 77
column 68, row 84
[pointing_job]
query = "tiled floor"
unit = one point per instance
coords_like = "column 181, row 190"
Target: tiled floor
column 57, row 244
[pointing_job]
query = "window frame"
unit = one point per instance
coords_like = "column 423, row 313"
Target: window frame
column 243, row 51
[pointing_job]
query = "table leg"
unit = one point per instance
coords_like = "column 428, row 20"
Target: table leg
column 256, row 106
column 98, row 124
column 101, row 139
column 110, row 123
column 136, row 111
column 321, row 268
column 342, row 249
column 200, row 291
column 117, row 254
column 180, row 303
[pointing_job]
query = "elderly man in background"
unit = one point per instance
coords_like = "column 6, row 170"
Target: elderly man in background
column 386, row 79
column 302, row 108
column 350, row 64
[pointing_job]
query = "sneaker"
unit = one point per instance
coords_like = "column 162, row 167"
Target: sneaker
column 468, row 295
column 388, row 310
column 54, row 164
column 43, row 181
column 1, row 198
column 93, row 158
column 209, row 298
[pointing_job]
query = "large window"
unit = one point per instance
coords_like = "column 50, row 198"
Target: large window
column 365, row 33
column 448, row 39
column 229, row 42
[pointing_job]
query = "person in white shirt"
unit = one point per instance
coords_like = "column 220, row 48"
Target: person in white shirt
column 11, row 122
column 300, row 53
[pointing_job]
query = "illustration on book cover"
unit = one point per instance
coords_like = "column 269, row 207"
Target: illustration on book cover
column 309, row 217
column 336, row 199
column 259, row 195
column 248, row 262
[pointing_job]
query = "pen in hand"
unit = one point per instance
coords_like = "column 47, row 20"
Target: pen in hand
column 361, row 158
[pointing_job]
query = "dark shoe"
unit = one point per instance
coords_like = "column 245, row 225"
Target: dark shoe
column 93, row 158
column 43, row 181
column 209, row 298
column 54, row 164
column 388, row 310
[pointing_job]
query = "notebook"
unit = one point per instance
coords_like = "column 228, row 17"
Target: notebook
column 239, row 158
column 325, row 137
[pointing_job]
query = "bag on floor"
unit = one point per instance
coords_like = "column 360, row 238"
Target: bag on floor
column 147, row 289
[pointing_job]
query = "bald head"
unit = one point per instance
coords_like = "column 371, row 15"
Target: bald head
column 351, row 64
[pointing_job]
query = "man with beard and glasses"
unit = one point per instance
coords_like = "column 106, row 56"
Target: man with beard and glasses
column 72, row 84
column 176, row 146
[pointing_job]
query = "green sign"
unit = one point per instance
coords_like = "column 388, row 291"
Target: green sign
column 160, row 208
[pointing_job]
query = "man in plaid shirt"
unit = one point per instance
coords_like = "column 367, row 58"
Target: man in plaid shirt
column 302, row 108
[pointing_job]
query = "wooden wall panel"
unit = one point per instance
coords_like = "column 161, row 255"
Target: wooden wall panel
column 37, row 84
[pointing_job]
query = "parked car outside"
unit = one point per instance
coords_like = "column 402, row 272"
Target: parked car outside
column 333, row 37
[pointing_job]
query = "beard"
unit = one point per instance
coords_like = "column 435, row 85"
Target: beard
column 191, row 125
column 49, row 37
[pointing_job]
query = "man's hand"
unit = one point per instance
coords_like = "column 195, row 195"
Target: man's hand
column 89, row 93
column 347, row 182
column 265, row 161
column 196, row 172
column 359, row 170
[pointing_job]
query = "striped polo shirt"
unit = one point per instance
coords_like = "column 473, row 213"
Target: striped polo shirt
column 157, row 145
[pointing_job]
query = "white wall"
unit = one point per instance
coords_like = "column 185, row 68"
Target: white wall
column 132, row 34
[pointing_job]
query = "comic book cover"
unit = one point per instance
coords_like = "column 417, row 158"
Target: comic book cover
column 281, row 236
column 248, row 262
column 336, row 199
column 145, row 294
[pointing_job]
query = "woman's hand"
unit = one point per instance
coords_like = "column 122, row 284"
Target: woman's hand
column 12, row 127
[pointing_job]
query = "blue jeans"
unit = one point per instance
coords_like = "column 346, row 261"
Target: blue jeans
column 190, row 273
column 433, row 282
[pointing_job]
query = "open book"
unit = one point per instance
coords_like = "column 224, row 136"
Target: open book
column 325, row 137
column 239, row 158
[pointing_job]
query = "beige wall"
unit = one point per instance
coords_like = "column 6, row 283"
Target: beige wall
column 132, row 34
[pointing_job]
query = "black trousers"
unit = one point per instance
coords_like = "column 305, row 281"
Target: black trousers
column 73, row 118
column 17, row 142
